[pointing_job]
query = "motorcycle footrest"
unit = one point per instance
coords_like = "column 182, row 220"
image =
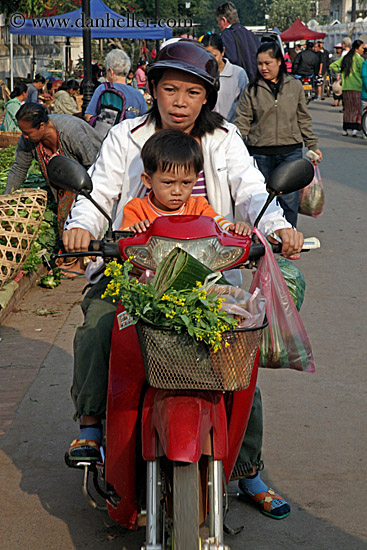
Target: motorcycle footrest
column 80, row 464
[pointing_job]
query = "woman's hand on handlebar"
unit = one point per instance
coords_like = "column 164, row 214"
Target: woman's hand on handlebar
column 76, row 240
column 292, row 241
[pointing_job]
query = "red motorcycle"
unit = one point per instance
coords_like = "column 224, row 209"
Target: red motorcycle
column 166, row 448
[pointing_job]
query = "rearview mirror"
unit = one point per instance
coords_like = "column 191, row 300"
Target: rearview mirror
column 65, row 173
column 290, row 177
column 287, row 178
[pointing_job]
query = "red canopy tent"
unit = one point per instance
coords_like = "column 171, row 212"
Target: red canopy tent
column 299, row 31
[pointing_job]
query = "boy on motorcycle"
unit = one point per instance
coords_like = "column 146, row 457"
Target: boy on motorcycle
column 183, row 83
column 172, row 166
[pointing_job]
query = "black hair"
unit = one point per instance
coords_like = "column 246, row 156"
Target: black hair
column 276, row 53
column 39, row 78
column 168, row 150
column 34, row 113
column 69, row 85
column 213, row 41
column 347, row 61
column 206, row 122
column 18, row 90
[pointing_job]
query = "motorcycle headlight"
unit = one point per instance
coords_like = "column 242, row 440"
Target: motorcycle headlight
column 209, row 252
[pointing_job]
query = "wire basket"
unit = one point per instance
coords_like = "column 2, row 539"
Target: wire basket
column 176, row 361
column 21, row 214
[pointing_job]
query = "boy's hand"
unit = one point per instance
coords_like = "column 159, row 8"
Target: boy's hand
column 139, row 227
column 241, row 228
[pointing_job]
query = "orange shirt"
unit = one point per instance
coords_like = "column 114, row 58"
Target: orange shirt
column 138, row 210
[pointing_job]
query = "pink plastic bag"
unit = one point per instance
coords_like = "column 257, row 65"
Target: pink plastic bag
column 312, row 197
column 284, row 343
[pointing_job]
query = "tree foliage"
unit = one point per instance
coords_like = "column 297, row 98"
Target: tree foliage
column 48, row 8
column 283, row 13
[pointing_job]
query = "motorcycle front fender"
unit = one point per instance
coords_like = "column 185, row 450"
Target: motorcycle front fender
column 183, row 421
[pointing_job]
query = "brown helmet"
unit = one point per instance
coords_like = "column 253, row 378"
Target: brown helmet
column 191, row 57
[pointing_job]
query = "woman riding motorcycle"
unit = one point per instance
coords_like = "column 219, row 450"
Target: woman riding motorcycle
column 184, row 84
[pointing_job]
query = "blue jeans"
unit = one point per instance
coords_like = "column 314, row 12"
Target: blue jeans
column 266, row 164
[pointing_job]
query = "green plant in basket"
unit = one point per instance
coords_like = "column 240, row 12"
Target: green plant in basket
column 189, row 309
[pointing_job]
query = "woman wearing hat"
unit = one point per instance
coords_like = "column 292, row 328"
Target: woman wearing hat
column 183, row 83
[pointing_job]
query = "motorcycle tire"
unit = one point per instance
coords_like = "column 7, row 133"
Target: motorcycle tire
column 364, row 123
column 185, row 506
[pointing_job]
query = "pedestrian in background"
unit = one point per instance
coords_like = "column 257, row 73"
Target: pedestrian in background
column 141, row 77
column 338, row 51
column 240, row 43
column 17, row 97
column 364, row 90
column 131, row 80
column 324, row 57
column 346, row 46
column 306, row 63
column 350, row 66
column 65, row 101
column 273, row 119
column 232, row 78
column 117, row 64
column 34, row 88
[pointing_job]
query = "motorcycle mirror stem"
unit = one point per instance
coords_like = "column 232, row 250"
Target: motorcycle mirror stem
column 287, row 178
column 109, row 233
column 67, row 174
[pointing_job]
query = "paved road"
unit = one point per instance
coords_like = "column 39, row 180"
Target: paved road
column 315, row 425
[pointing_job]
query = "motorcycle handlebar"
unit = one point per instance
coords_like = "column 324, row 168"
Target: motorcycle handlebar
column 110, row 249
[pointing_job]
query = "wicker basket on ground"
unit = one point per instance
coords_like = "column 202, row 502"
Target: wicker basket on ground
column 21, row 214
column 9, row 138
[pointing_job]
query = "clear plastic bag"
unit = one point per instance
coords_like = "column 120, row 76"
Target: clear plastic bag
column 248, row 308
column 285, row 343
column 312, row 197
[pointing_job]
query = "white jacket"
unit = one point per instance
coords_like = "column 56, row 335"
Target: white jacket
column 231, row 179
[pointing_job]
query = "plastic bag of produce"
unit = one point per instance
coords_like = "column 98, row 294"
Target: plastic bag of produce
column 248, row 309
column 312, row 197
column 295, row 280
column 285, row 343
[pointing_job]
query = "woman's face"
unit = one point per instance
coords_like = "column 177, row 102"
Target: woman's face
column 360, row 49
column 218, row 56
column 35, row 135
column 268, row 66
column 180, row 97
column 72, row 92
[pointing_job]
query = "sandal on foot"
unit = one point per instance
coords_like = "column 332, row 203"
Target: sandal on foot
column 84, row 449
column 264, row 501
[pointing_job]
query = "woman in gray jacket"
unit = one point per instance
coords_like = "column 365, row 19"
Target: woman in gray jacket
column 273, row 119
column 42, row 138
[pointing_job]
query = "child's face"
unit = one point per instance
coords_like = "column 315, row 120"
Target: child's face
column 171, row 189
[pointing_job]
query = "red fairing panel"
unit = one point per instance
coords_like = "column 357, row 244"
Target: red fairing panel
column 183, row 420
column 241, row 409
column 126, row 379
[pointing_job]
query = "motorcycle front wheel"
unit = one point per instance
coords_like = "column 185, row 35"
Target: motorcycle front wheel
column 185, row 506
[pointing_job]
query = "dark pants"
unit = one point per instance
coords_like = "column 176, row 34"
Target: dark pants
column 267, row 163
column 92, row 344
